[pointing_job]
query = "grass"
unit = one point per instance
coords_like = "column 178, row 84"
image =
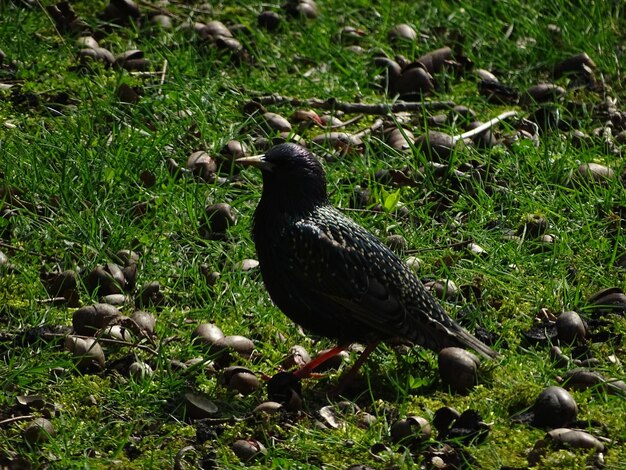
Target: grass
column 77, row 168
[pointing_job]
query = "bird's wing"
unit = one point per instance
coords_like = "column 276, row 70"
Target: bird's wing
column 344, row 264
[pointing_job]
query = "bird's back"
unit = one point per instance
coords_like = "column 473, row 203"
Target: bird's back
column 336, row 279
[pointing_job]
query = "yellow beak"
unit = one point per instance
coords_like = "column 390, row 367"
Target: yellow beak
column 257, row 161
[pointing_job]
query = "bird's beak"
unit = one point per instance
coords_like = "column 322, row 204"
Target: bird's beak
column 257, row 161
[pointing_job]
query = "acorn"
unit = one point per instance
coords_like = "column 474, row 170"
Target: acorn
column 554, row 407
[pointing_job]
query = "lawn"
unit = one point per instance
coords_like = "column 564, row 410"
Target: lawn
column 114, row 156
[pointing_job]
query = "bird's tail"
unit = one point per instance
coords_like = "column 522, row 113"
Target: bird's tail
column 466, row 340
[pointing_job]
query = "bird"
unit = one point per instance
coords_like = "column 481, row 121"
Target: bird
column 332, row 276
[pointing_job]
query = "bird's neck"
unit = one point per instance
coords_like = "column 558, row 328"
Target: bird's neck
column 292, row 198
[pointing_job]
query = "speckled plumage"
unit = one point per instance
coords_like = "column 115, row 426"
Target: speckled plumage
column 332, row 276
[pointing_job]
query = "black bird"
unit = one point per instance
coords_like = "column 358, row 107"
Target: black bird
column 332, row 276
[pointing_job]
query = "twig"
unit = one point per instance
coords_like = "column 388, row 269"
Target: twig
column 13, row 247
column 163, row 72
column 356, row 118
column 111, row 341
column 16, row 418
column 484, row 127
column 353, row 108
column 377, row 124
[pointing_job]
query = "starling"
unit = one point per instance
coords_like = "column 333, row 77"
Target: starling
column 330, row 275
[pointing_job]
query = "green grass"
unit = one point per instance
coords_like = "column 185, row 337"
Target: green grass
column 77, row 169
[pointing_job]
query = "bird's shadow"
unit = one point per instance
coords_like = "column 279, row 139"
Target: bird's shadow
column 388, row 377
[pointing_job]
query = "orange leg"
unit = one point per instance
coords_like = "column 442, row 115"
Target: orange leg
column 348, row 377
column 305, row 371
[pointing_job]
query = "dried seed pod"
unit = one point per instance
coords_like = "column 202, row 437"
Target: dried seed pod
column 413, row 81
column 350, row 34
column 458, row 368
column 575, row 439
column 240, row 379
column 301, row 9
column 199, row 406
column 578, row 64
column 218, row 218
column 163, row 21
column 297, row 357
column 88, row 351
column 414, row 263
column 547, row 118
column 542, row 93
column 560, row 359
column 38, row 431
column 410, row 431
column 240, row 344
column 108, row 279
column 402, row 32
column 150, row 295
column 328, row 417
column 248, row 450
column 444, row 289
column 486, row 76
column 564, row 438
column 594, row 172
column 63, row 284
column 399, row 139
column 87, row 320
column 128, row 94
column 285, row 388
column 437, row 145
column 570, row 327
column 117, row 332
column 338, row 140
column 461, row 111
column 140, row 370
column 269, row 20
column 97, row 54
column 132, row 60
column 498, row 93
column 269, row 407
column 145, row 321
column 476, row 249
column 87, row 42
column 582, row 379
column 443, row 419
column 307, row 116
column 276, row 122
column 468, row 428
column 214, row 29
column 233, row 150
column 397, row 243
column 391, row 73
column 211, row 335
column 612, row 299
column 554, row 407
column 202, row 166
column 435, row 61
column 246, row 265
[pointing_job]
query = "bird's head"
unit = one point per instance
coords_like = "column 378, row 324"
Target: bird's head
column 292, row 176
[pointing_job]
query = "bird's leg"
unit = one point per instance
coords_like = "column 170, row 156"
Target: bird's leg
column 305, row 371
column 348, row 377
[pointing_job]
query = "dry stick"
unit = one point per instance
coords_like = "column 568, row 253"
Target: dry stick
column 356, row 118
column 162, row 80
column 353, row 108
column 16, row 418
column 483, row 127
column 110, row 341
column 377, row 124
